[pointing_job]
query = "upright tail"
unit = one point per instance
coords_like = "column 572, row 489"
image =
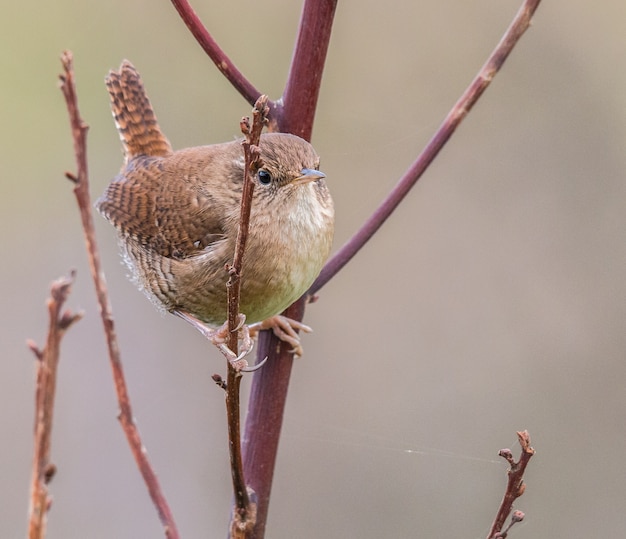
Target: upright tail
column 135, row 120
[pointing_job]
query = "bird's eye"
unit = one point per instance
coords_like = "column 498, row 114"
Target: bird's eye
column 265, row 177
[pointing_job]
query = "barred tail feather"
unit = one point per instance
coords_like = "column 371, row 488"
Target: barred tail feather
column 134, row 117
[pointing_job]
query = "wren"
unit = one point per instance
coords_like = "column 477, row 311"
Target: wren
column 177, row 213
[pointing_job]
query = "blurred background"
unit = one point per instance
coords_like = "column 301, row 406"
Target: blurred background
column 493, row 300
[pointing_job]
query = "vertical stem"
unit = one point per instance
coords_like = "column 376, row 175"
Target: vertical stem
column 270, row 384
column 244, row 514
column 265, row 416
column 305, row 75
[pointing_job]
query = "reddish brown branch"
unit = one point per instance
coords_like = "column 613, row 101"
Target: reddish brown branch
column 47, row 362
column 81, row 191
column 244, row 512
column 520, row 24
column 515, row 486
column 213, row 50
column 266, row 406
column 307, row 65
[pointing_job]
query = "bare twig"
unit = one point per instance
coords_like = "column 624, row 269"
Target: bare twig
column 515, row 486
column 213, row 50
column 81, row 191
column 520, row 24
column 244, row 512
column 47, row 362
column 252, row 161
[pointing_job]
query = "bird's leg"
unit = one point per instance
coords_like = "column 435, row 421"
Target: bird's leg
column 285, row 329
column 219, row 336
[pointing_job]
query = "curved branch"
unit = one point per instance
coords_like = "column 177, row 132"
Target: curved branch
column 520, row 24
column 219, row 57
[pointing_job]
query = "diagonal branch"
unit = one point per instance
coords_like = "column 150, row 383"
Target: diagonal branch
column 81, row 191
column 520, row 24
column 213, row 50
column 47, row 362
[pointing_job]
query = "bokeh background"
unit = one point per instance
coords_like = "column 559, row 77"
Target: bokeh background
column 494, row 300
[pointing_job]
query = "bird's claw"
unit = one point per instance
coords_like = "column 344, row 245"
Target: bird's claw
column 286, row 329
column 219, row 337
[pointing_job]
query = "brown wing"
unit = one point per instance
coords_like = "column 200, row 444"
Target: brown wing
column 163, row 213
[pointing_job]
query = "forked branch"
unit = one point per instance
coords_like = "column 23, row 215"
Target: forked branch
column 515, row 486
column 47, row 362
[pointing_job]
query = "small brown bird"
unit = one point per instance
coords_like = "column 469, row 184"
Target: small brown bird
column 177, row 213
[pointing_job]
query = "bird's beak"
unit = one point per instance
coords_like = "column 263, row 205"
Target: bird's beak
column 308, row 175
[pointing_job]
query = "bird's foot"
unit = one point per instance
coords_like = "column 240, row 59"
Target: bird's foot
column 219, row 338
column 286, row 329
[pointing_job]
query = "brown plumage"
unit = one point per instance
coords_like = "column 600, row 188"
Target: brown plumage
column 177, row 212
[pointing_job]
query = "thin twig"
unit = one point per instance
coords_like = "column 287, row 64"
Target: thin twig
column 47, row 362
column 520, row 24
column 81, row 191
column 515, row 486
column 244, row 512
column 213, row 50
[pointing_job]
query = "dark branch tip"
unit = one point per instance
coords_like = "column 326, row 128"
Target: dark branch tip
column 68, row 318
column 32, row 345
column 49, row 472
column 72, row 177
column 219, row 381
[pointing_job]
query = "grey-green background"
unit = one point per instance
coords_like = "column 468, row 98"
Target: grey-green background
column 493, row 300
